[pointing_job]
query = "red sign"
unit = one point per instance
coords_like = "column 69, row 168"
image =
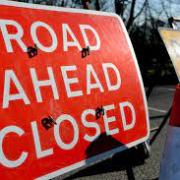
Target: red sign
column 70, row 87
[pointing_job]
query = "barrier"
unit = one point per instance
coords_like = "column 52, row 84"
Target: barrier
column 170, row 168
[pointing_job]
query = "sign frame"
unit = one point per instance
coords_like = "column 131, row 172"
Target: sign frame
column 175, row 22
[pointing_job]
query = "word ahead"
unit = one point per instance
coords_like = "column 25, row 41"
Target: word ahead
column 70, row 90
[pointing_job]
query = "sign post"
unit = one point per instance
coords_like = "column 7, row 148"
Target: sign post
column 170, row 159
column 71, row 90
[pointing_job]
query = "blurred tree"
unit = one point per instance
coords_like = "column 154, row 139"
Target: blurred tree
column 102, row 5
column 153, row 58
column 142, row 19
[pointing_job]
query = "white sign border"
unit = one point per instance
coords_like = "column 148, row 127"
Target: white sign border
column 111, row 152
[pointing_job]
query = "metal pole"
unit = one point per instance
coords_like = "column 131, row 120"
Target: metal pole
column 160, row 127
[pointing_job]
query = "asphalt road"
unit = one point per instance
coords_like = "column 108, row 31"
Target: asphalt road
column 130, row 165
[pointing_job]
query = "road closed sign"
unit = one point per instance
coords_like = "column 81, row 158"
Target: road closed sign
column 70, row 87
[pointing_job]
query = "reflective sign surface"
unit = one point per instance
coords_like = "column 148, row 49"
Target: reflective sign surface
column 70, row 87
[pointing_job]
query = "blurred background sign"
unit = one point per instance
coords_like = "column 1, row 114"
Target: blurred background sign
column 171, row 40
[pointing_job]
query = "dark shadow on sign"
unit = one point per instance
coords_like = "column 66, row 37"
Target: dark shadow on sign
column 125, row 160
column 102, row 144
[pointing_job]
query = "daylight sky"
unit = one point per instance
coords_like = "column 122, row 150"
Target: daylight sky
column 159, row 9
